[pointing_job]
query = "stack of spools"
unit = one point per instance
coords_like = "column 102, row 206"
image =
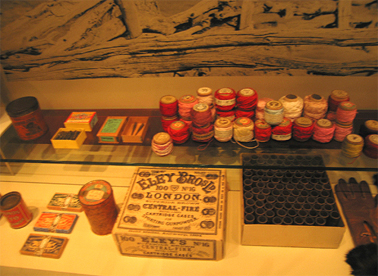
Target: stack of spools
column 205, row 95
column 185, row 106
column 246, row 102
column 345, row 114
column 369, row 131
column 225, row 102
column 168, row 110
column 335, row 98
column 202, row 123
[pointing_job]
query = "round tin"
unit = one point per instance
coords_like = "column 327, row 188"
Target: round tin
column 27, row 118
column 15, row 210
column 97, row 200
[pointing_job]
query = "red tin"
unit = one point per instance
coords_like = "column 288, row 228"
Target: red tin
column 15, row 210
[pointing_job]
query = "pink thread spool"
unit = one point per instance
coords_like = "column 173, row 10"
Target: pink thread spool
column 324, row 130
column 346, row 112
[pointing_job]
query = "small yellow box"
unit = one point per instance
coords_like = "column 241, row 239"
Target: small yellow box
column 135, row 129
column 68, row 138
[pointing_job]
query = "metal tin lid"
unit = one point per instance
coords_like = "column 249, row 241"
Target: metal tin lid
column 372, row 125
column 247, row 92
column 204, row 91
column 22, row 106
column 187, row 99
column 201, row 107
column 324, row 123
column 347, row 106
column 274, row 105
column 291, row 98
column 303, row 122
column 177, row 125
column 168, row 99
column 243, row 121
column 354, row 139
column 161, row 138
column 262, row 124
column 316, row 98
column 373, row 138
column 10, row 200
column 95, row 192
column 223, row 122
column 339, row 95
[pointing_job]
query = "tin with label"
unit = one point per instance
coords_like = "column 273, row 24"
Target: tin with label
column 15, row 210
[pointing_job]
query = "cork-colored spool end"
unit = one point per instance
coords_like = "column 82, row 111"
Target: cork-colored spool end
column 225, row 91
column 291, row 98
column 373, row 138
column 372, row 125
column 168, row 99
column 354, row 139
column 243, row 122
column 187, row 99
column 247, row 92
column 177, row 125
column 274, row 105
column 204, row 91
column 339, row 95
column 161, row 138
column 344, row 125
column 262, row 124
column 201, row 107
column 223, row 123
column 316, row 98
column 324, row 123
column 303, row 122
column 349, row 106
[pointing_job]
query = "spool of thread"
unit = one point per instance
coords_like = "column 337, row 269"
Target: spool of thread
column 225, row 99
column 293, row 106
column 185, row 105
column 205, row 95
column 162, row 144
column 167, row 121
column 27, row 118
column 331, row 115
column 263, row 130
column 315, row 107
column 97, row 199
column 302, row 129
column 243, row 129
column 352, row 145
column 260, row 107
column 223, row 130
column 226, row 114
column 203, row 134
column 273, row 113
column 324, row 130
column 242, row 113
column 369, row 127
column 335, row 98
column 168, row 106
column 341, row 131
column 201, row 115
column 371, row 146
column 179, row 132
column 246, row 99
column 283, row 131
column 346, row 112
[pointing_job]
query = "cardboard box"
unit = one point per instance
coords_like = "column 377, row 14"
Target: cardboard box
column 174, row 213
column 67, row 138
column 135, row 129
column 85, row 120
column 110, row 132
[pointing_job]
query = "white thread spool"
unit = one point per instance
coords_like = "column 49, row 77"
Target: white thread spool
column 162, row 144
column 223, row 130
column 273, row 112
column 243, row 129
column 293, row 106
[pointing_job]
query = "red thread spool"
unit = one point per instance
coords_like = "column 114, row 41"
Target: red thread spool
column 242, row 113
column 167, row 121
column 227, row 114
column 263, row 131
column 185, row 105
column 13, row 207
column 246, row 99
column 335, row 98
column 341, row 131
column 168, row 106
column 162, row 144
column 27, row 118
column 371, row 146
column 324, row 130
column 283, row 131
column 346, row 112
column 204, row 134
column 302, row 129
column 179, row 132
column 201, row 115
column 225, row 99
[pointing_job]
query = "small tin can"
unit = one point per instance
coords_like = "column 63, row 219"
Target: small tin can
column 27, row 118
column 15, row 210
column 97, row 199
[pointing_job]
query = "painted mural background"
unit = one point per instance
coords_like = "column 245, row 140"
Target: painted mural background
column 78, row 39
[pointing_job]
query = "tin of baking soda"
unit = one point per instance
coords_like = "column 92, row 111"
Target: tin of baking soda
column 27, row 118
column 13, row 207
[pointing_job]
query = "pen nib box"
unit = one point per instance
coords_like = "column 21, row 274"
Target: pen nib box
column 68, row 138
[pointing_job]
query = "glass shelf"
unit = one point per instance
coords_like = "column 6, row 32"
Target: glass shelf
column 189, row 154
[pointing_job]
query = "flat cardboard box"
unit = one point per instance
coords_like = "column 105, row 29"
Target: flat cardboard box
column 135, row 129
column 175, row 213
column 110, row 132
column 85, row 120
column 68, row 143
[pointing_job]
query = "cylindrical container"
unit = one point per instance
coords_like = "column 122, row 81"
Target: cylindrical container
column 315, row 107
column 27, row 118
column 97, row 200
column 341, row 131
column 185, row 105
column 243, row 129
column 369, row 127
column 346, row 112
column 246, row 99
column 273, row 112
column 162, row 144
column 335, row 98
column 302, row 129
column 225, row 99
column 13, row 207
column 293, row 106
column 168, row 106
column 371, row 146
column 352, row 145
column 201, row 115
column 223, row 129
column 324, row 130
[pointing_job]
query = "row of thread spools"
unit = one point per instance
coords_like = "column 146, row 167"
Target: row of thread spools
column 227, row 114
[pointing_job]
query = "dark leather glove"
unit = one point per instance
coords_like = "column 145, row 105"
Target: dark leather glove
column 360, row 210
